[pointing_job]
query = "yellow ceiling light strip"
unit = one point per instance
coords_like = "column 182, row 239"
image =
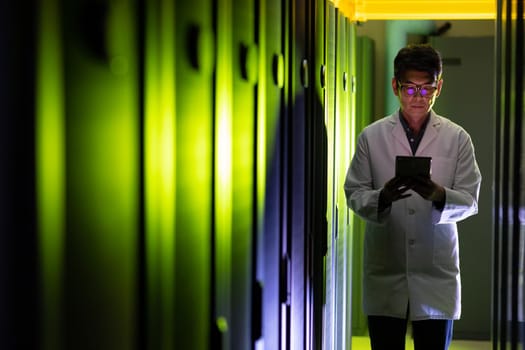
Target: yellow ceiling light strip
column 363, row 10
column 348, row 7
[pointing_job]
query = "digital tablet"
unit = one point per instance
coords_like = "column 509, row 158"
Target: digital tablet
column 408, row 166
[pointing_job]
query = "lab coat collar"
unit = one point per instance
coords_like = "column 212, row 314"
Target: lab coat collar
column 431, row 132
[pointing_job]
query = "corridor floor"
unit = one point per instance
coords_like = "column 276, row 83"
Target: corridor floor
column 362, row 343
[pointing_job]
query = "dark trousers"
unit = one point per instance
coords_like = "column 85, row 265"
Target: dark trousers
column 389, row 333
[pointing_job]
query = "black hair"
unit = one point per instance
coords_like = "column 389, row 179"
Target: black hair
column 419, row 57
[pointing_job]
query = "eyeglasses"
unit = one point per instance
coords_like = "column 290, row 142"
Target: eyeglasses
column 410, row 90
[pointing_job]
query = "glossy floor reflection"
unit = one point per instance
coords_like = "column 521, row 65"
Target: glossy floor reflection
column 362, row 343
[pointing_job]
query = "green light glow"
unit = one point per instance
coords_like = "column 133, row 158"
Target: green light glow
column 223, row 164
column 222, row 324
column 223, row 218
column 243, row 172
column 102, row 168
column 193, row 177
column 224, row 145
column 347, row 132
column 160, row 171
column 87, row 180
column 349, row 147
column 261, row 122
column 364, row 115
column 50, row 172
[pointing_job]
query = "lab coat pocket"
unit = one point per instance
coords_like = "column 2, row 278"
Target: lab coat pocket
column 376, row 246
column 443, row 171
column 445, row 245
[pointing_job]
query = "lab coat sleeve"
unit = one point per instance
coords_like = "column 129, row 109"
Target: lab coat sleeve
column 361, row 196
column 461, row 199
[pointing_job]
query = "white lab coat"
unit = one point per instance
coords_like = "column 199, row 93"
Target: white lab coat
column 411, row 249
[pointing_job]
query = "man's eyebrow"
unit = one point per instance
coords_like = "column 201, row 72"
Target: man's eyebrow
column 411, row 82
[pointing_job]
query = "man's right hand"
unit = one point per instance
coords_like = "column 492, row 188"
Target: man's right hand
column 394, row 190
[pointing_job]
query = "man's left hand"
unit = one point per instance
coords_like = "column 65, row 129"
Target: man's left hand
column 428, row 189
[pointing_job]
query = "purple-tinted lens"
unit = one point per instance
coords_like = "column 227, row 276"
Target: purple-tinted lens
column 424, row 91
column 410, row 90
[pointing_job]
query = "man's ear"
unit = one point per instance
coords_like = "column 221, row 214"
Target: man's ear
column 440, row 84
column 394, row 86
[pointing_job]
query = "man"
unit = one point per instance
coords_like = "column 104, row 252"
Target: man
column 411, row 258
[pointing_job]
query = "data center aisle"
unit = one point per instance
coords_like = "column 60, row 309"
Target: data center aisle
column 363, row 343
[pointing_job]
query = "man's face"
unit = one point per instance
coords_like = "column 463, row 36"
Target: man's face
column 417, row 93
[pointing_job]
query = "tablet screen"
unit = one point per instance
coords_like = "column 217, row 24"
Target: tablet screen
column 407, row 166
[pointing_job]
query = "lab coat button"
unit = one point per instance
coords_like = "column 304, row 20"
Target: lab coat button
column 411, row 211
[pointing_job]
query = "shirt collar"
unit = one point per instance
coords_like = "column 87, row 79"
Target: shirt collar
column 406, row 127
